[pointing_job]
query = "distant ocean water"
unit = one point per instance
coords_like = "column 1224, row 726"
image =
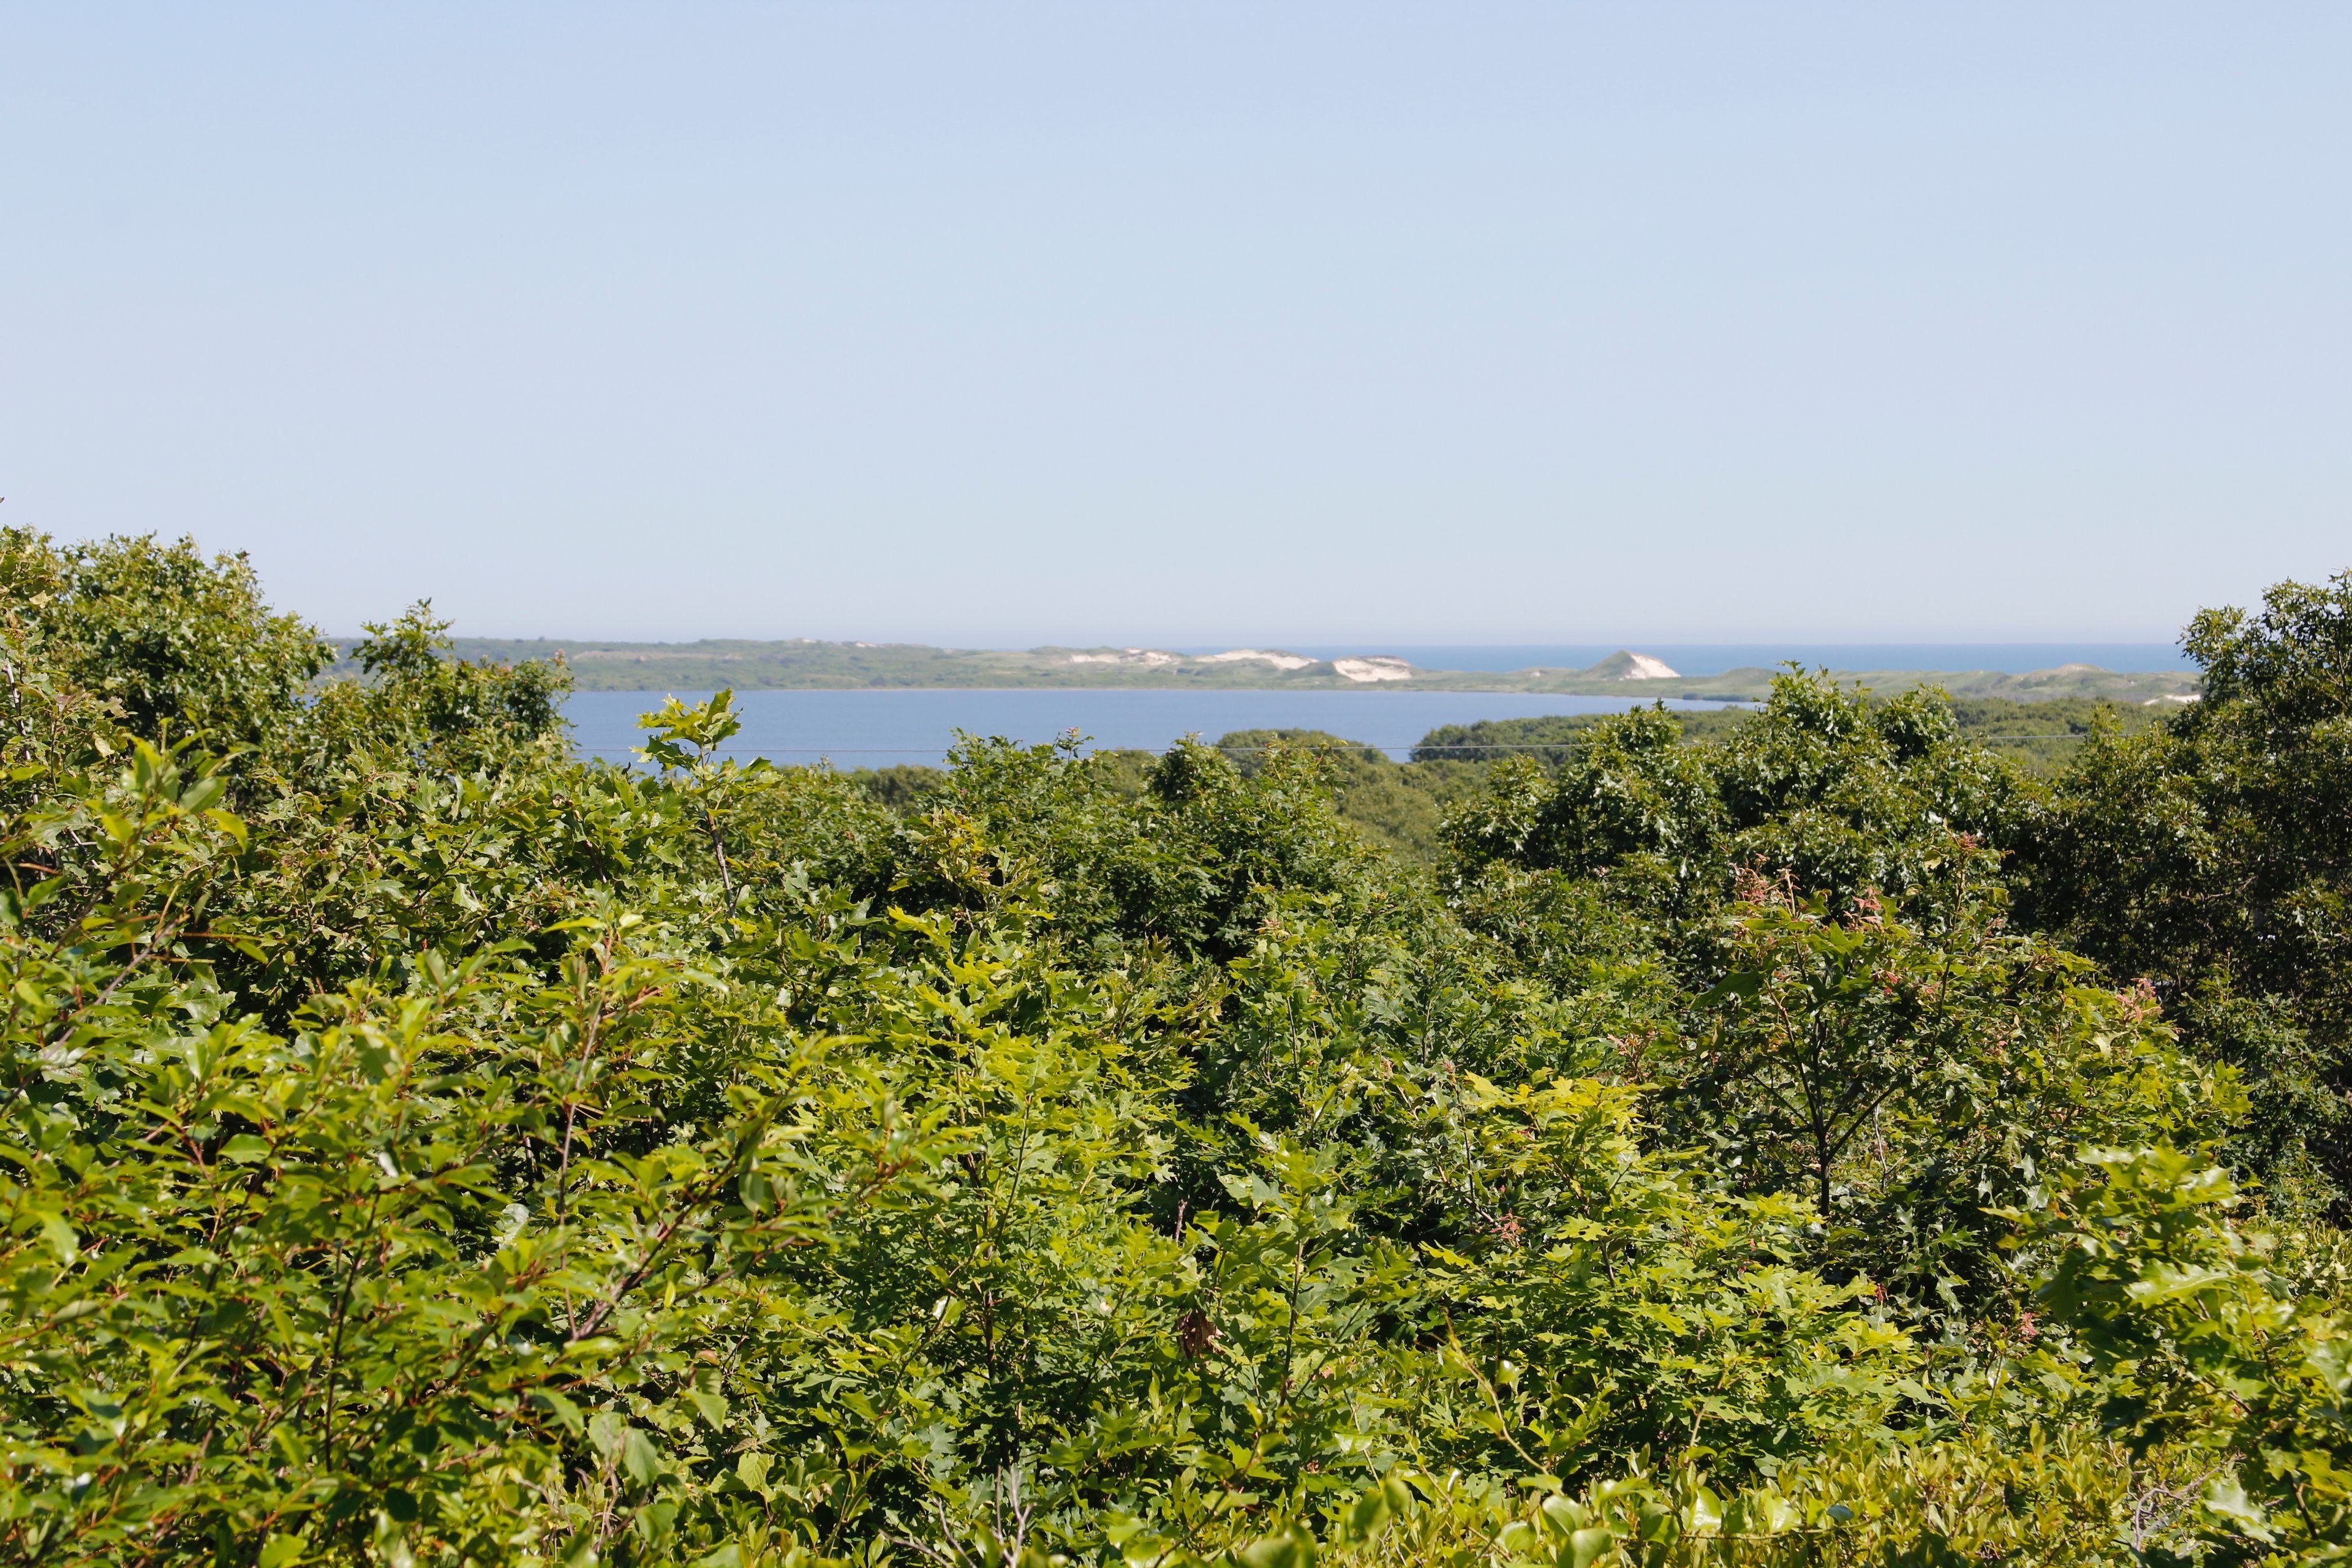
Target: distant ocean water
column 1714, row 658
column 869, row 728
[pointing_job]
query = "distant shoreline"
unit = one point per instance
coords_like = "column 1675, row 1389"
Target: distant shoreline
column 808, row 665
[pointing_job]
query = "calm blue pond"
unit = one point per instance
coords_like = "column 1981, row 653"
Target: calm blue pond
column 881, row 729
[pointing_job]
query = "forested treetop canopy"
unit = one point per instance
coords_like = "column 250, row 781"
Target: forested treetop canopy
column 2039, row 730
column 1835, row 1142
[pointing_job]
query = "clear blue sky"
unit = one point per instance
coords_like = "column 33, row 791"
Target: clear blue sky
column 1001, row 323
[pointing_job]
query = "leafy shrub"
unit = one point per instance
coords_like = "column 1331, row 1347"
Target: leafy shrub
column 423, row 1147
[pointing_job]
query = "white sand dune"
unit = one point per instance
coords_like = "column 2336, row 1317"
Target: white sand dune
column 1257, row 656
column 1133, row 656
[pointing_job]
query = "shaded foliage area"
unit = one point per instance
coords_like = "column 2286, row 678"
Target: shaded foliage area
column 423, row 1147
column 2042, row 734
column 1821, row 789
column 1400, row 808
column 2214, row 856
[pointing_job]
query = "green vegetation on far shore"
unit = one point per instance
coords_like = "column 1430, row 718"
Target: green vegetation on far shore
column 805, row 664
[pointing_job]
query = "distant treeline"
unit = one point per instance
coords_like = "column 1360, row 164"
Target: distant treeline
column 807, row 664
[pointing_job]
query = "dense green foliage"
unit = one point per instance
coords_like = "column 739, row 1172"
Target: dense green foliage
column 423, row 1147
column 2214, row 855
column 2042, row 733
column 1401, row 806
